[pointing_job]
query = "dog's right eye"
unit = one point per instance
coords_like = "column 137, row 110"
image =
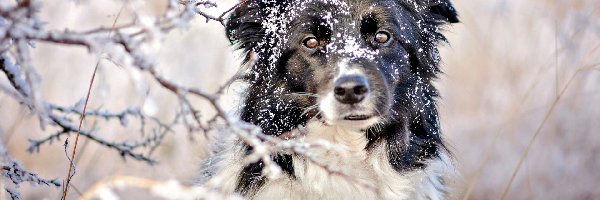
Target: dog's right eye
column 311, row 42
column 382, row 37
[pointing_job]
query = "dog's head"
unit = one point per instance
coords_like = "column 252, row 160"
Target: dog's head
column 348, row 62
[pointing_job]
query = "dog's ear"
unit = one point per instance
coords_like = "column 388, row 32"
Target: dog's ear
column 244, row 27
column 440, row 11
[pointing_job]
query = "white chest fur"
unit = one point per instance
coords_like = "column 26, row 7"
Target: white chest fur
column 350, row 172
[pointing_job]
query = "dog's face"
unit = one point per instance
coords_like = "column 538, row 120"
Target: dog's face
column 347, row 62
column 351, row 55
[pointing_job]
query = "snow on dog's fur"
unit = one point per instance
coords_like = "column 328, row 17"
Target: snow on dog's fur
column 355, row 73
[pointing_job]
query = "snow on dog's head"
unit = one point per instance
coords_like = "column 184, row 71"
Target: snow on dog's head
column 354, row 63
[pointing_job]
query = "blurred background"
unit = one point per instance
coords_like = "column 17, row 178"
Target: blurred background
column 514, row 70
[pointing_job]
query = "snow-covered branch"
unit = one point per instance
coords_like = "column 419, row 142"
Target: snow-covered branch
column 127, row 46
column 14, row 172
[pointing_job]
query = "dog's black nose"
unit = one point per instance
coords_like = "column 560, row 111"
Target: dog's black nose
column 351, row 89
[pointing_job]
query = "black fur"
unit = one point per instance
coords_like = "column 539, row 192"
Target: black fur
column 411, row 132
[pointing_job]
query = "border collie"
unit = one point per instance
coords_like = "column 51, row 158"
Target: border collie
column 355, row 74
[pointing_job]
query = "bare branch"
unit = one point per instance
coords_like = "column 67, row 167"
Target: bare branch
column 17, row 174
column 123, row 45
column 125, row 149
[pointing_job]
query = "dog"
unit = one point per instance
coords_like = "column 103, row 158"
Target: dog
column 353, row 74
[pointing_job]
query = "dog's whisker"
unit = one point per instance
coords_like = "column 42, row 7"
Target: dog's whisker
column 318, row 113
column 309, row 108
column 304, row 94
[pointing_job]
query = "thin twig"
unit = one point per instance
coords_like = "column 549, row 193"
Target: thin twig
column 87, row 98
column 539, row 130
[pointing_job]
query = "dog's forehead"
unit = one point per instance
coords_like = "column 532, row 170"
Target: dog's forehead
column 345, row 15
column 340, row 8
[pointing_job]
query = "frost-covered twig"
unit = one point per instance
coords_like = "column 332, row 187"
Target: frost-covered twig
column 17, row 174
column 221, row 18
column 125, row 149
column 14, row 195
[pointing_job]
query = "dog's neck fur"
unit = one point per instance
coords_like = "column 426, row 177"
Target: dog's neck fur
column 354, row 140
column 344, row 169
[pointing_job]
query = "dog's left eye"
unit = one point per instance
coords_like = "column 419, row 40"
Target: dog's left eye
column 311, row 42
column 381, row 37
